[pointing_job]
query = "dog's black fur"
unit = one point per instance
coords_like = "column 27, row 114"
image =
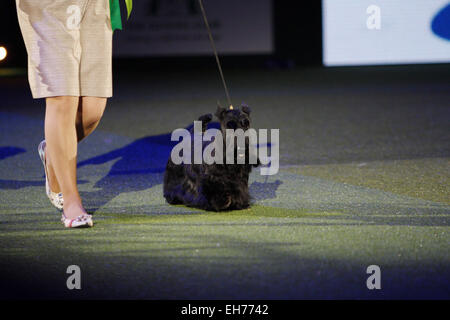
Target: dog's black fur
column 214, row 187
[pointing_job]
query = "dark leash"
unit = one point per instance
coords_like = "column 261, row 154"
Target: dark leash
column 215, row 53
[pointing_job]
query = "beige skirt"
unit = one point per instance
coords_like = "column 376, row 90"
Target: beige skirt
column 69, row 46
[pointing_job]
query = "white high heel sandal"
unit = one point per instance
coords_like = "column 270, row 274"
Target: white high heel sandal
column 56, row 199
column 83, row 221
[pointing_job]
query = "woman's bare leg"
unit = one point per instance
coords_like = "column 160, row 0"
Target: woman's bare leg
column 61, row 150
column 90, row 111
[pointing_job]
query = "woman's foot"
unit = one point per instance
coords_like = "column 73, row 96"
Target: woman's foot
column 53, row 192
column 74, row 216
column 83, row 221
column 74, row 208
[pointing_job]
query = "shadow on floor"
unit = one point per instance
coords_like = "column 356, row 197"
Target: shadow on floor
column 9, row 151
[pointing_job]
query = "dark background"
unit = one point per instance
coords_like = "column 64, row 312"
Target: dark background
column 297, row 40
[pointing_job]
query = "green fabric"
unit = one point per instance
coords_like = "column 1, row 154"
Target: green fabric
column 116, row 19
column 129, row 4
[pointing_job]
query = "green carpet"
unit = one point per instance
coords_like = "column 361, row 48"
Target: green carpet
column 364, row 180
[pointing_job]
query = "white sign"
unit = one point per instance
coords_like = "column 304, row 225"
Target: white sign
column 366, row 32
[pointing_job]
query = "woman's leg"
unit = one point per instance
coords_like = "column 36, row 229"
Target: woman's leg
column 61, row 150
column 90, row 111
column 88, row 115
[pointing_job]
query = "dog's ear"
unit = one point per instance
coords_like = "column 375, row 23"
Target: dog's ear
column 246, row 109
column 205, row 118
column 220, row 112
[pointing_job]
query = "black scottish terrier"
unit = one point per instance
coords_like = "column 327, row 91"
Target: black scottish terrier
column 213, row 187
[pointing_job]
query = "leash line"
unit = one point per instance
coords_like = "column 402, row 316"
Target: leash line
column 215, row 53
